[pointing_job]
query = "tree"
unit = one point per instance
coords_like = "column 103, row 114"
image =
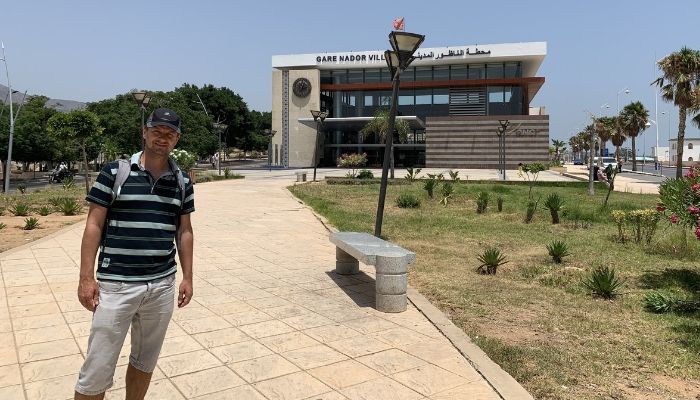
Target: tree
column 604, row 128
column 379, row 125
column 617, row 137
column 633, row 120
column 79, row 127
column 559, row 147
column 680, row 84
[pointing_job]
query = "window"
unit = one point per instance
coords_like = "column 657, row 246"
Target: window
column 442, row 73
column 477, row 71
column 326, row 77
column 340, row 76
column 355, row 76
column 405, row 100
column 423, row 96
column 424, row 73
column 496, row 94
column 459, row 72
column 690, row 146
column 441, row 96
column 494, row 71
column 369, row 101
column 372, row 75
column 512, row 70
column 673, row 146
column 690, row 159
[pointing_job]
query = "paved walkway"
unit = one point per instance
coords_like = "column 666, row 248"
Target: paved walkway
column 269, row 319
column 625, row 182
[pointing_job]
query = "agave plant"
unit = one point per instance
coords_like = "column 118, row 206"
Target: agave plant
column 482, row 202
column 554, row 203
column 69, row 206
column 429, row 186
column 603, row 282
column 499, row 203
column 530, row 211
column 412, row 174
column 20, row 210
column 557, row 249
column 43, row 211
column 490, row 260
column 2, row 225
column 22, row 188
column 30, row 223
column 447, row 190
column 454, row 175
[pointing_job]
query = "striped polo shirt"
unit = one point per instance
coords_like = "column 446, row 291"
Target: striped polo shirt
column 138, row 244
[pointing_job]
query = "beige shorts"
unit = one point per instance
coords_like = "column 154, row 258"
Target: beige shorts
column 147, row 308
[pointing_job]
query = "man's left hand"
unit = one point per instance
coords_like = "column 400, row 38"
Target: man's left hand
column 185, row 294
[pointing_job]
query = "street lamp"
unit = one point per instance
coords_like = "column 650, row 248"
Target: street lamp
column 319, row 117
column 270, row 133
column 501, row 132
column 669, row 135
column 142, row 99
column 220, row 128
column 625, row 91
column 404, row 44
column 7, row 169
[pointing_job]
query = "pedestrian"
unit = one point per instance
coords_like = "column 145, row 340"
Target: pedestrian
column 137, row 227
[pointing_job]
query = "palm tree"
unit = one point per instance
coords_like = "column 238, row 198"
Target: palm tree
column 584, row 138
column 680, row 83
column 575, row 144
column 379, row 125
column 559, row 147
column 602, row 129
column 617, row 137
column 633, row 120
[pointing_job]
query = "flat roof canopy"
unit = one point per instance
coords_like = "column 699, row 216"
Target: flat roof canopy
column 357, row 123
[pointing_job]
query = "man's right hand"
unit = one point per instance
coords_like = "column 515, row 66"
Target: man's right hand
column 89, row 293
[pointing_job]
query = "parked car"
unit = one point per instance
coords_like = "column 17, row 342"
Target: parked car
column 578, row 161
column 606, row 161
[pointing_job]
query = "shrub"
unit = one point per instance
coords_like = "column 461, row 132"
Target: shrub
column 184, row 159
column 20, row 210
column 499, row 203
column 30, row 223
column 660, row 302
column 352, row 161
column 453, row 175
column 531, row 172
column 2, row 226
column 530, row 211
column 365, row 174
column 604, row 283
column 69, row 206
column 43, row 211
column 557, row 249
column 68, row 183
column 482, row 202
column 490, row 260
column 554, row 203
column 22, row 188
column 407, row 200
column 619, row 217
column 644, row 223
column 412, row 174
column 204, row 178
column 227, row 173
column 447, row 190
column 429, row 186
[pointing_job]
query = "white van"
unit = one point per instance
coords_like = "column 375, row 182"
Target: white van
column 606, row 161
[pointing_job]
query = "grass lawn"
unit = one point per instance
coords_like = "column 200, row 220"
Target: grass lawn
column 534, row 317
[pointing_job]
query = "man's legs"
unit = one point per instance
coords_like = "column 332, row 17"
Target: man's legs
column 148, row 329
column 137, row 383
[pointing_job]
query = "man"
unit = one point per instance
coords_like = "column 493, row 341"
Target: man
column 135, row 283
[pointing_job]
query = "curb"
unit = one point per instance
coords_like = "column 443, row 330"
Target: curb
column 504, row 384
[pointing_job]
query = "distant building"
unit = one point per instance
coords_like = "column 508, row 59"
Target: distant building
column 452, row 97
column 691, row 150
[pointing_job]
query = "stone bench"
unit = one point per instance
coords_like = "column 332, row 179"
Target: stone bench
column 301, row 176
column 389, row 260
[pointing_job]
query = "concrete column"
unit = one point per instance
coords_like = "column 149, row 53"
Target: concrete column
column 391, row 284
column 345, row 264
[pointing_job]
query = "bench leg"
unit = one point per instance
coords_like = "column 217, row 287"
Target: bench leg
column 391, row 285
column 345, row 264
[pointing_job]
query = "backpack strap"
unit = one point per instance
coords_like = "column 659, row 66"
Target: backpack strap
column 122, row 175
column 180, row 181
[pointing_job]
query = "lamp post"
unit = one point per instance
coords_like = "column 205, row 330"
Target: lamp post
column 625, row 91
column 220, row 128
column 319, row 117
column 142, row 99
column 7, row 169
column 668, row 143
column 501, row 131
column 270, row 133
column 404, row 44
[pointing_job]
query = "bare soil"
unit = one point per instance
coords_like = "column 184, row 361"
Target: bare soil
column 13, row 235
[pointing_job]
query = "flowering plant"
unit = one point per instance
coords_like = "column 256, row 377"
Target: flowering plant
column 680, row 200
column 352, row 161
column 184, row 159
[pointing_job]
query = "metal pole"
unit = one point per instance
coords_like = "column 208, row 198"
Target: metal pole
column 316, row 149
column 8, row 169
column 387, row 154
column 591, row 190
column 219, row 159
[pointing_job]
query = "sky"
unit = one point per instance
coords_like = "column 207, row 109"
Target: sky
column 92, row 50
